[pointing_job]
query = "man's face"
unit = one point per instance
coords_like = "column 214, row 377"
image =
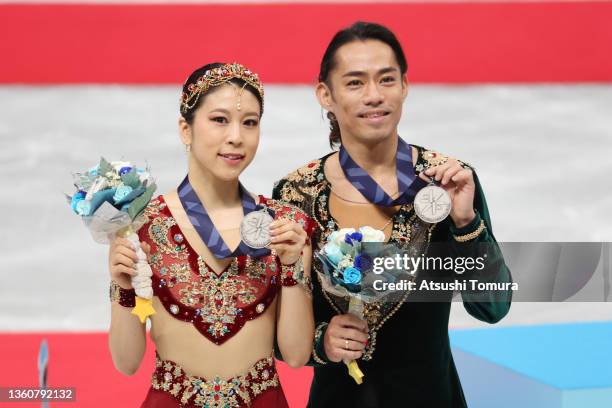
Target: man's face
column 367, row 91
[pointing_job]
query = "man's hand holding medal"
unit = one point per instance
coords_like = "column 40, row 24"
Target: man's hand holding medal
column 451, row 191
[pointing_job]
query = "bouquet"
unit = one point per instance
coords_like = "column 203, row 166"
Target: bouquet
column 346, row 261
column 110, row 198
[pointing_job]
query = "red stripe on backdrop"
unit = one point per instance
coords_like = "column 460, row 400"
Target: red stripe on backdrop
column 83, row 361
column 452, row 43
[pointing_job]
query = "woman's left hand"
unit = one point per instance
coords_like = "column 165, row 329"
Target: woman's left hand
column 288, row 240
column 459, row 183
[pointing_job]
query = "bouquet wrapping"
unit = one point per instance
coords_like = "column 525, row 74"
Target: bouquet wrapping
column 110, row 198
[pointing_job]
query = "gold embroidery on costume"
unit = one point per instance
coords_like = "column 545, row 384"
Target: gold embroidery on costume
column 307, row 173
column 153, row 208
column 290, row 193
column 215, row 393
column 218, row 305
column 179, row 273
column 434, row 158
column 313, row 189
column 258, row 270
column 302, row 184
column 217, row 297
column 158, row 231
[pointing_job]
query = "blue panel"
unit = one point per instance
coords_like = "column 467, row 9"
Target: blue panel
column 565, row 356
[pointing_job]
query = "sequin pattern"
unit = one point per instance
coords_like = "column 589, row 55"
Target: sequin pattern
column 239, row 391
column 308, row 188
column 217, row 304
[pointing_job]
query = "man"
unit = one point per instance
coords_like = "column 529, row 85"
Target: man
column 402, row 347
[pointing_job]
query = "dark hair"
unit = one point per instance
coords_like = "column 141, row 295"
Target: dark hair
column 188, row 115
column 359, row 31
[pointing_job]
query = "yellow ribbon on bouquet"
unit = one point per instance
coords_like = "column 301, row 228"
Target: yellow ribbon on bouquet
column 356, row 309
column 354, row 371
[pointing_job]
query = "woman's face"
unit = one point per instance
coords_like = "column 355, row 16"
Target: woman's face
column 224, row 134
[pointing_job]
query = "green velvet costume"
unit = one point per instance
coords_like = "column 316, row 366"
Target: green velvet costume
column 409, row 361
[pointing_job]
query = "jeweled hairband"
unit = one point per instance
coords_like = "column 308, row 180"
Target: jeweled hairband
column 218, row 76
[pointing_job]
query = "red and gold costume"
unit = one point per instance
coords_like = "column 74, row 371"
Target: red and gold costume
column 218, row 305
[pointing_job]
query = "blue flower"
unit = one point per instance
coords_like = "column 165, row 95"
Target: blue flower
column 333, row 252
column 83, row 207
column 358, row 262
column 365, row 262
column 122, row 192
column 78, row 196
column 352, row 275
column 124, row 170
column 352, row 238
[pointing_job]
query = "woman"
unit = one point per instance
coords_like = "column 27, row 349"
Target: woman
column 217, row 309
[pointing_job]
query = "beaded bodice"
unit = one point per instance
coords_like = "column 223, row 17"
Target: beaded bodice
column 218, row 304
column 309, row 189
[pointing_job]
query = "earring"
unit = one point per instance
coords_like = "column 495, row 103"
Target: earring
column 188, row 148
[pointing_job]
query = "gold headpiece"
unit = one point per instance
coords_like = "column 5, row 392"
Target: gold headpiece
column 216, row 77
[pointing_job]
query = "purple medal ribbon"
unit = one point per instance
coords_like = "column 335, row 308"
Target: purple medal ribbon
column 202, row 223
column 407, row 181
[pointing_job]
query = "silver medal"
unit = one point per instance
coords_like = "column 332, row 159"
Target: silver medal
column 432, row 204
column 255, row 229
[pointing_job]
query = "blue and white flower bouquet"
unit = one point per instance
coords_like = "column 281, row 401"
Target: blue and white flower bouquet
column 347, row 259
column 347, row 271
column 110, row 198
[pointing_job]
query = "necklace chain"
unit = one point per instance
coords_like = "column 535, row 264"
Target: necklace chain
column 358, row 202
column 389, row 220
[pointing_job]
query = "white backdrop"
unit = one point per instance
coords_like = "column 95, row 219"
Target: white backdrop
column 542, row 153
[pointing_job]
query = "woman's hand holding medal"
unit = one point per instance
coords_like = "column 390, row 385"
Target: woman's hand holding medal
column 458, row 182
column 287, row 240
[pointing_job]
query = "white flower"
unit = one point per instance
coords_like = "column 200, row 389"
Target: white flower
column 115, row 183
column 337, row 237
column 143, row 176
column 371, row 235
column 346, row 262
column 118, row 165
column 112, row 176
column 98, row 185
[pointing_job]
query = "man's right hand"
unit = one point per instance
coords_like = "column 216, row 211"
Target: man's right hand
column 345, row 338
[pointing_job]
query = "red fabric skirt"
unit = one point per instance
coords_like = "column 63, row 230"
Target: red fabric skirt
column 259, row 387
column 272, row 398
